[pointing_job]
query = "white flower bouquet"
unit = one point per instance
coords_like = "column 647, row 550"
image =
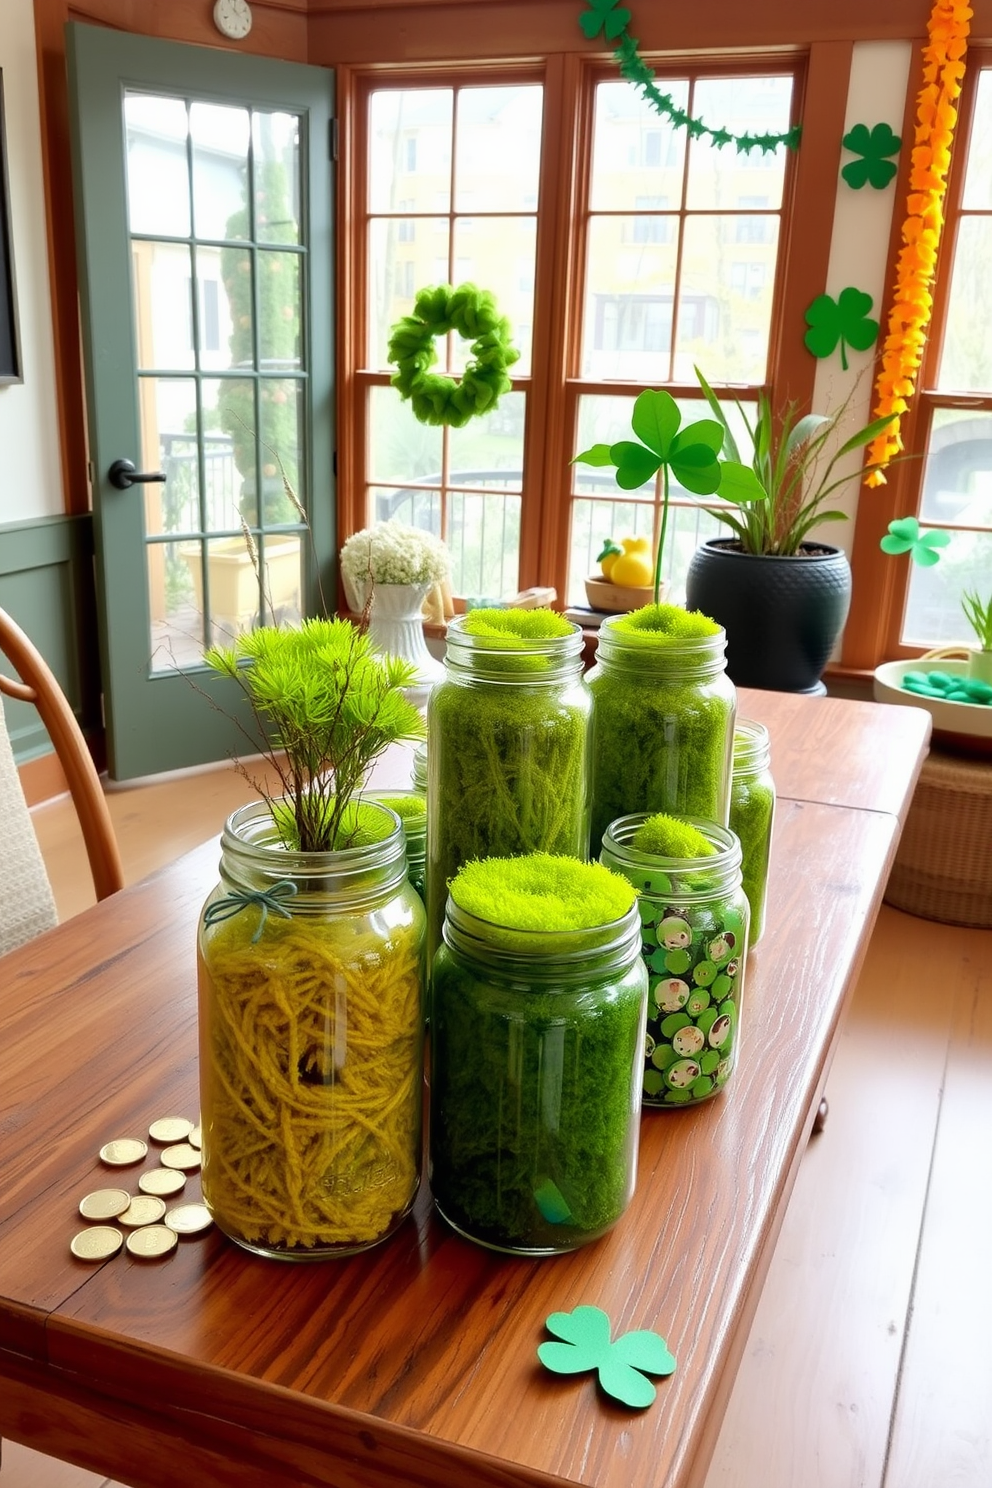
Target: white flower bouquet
column 392, row 553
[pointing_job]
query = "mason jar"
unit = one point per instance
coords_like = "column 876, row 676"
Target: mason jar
column 752, row 814
column 536, row 1053
column 411, row 808
column 663, row 718
column 310, row 976
column 508, row 765
column 420, row 768
column 694, row 928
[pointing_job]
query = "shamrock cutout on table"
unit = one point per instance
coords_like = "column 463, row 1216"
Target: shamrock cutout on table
column 844, row 322
column 875, row 146
column 607, row 16
column 904, row 536
column 587, row 1345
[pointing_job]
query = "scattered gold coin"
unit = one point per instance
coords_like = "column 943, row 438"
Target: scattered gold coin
column 145, row 1209
column 151, row 1242
column 170, row 1129
column 162, row 1181
column 196, row 1137
column 97, row 1243
column 104, row 1203
column 181, row 1156
column 123, row 1152
column 188, row 1219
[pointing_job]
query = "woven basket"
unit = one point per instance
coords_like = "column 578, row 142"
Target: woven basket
column 943, row 868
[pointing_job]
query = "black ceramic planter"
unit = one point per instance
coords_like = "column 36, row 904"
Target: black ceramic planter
column 782, row 615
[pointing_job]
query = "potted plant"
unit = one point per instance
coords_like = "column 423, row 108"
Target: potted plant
column 781, row 596
column 391, row 568
column 978, row 613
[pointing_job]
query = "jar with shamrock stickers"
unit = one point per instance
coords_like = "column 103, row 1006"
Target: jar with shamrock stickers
column 663, row 717
column 537, row 1030
column 694, row 928
column 752, row 812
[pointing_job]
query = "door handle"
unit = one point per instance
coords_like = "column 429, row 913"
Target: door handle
column 123, row 474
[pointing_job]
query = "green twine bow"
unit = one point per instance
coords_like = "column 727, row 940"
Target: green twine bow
column 266, row 899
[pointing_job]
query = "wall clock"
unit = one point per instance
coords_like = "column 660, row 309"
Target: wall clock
column 232, row 18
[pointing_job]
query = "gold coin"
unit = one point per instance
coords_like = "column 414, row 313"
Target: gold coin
column 196, row 1137
column 104, row 1203
column 188, row 1219
column 96, row 1244
column 170, row 1129
column 181, row 1156
column 151, row 1242
column 145, row 1209
column 123, row 1152
column 162, row 1181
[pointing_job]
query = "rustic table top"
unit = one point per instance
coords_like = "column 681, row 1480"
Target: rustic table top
column 416, row 1363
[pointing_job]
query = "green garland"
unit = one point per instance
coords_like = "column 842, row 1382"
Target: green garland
column 612, row 19
column 438, row 399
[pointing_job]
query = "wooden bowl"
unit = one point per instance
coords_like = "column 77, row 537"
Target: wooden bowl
column 616, row 599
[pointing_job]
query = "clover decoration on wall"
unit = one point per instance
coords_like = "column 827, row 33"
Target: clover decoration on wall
column 874, row 145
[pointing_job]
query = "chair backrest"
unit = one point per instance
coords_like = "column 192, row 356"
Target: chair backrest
column 37, row 684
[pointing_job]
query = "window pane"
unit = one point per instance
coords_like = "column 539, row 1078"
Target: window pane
column 627, row 328
column 410, row 149
column 720, row 178
column 399, row 267
column 636, row 153
column 497, row 253
column 167, row 409
column 723, row 332
column 401, row 448
column 490, row 449
column 484, row 539
column 222, row 481
column 280, row 310
column 978, row 178
column 966, row 356
column 220, row 170
column 157, row 166
column 957, row 481
column 281, row 416
column 162, row 285
column 498, row 151
column 235, row 416
column 275, row 138
column 416, row 508
column 933, row 607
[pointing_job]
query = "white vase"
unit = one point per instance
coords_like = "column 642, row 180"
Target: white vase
column 396, row 626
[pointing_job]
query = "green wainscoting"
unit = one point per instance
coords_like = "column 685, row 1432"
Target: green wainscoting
column 46, row 584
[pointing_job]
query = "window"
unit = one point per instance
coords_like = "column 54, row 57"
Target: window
column 950, row 487
column 644, row 289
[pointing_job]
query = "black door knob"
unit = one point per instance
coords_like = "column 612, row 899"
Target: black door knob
column 123, row 474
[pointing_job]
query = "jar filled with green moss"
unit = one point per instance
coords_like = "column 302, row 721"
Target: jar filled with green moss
column 508, row 766
column 411, row 808
column 538, row 1016
column 420, row 768
column 310, row 975
column 752, row 813
column 694, row 928
column 663, row 711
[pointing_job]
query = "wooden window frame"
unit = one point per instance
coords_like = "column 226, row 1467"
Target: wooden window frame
column 553, row 388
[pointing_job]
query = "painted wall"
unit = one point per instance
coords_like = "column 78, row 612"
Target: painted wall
column 30, row 476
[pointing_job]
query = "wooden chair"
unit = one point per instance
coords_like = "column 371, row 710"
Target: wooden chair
column 36, row 684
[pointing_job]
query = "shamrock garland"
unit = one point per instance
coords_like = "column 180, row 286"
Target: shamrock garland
column 610, row 17
column 586, row 1334
column 435, row 398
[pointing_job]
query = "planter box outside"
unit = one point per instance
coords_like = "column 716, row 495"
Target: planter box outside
column 234, row 582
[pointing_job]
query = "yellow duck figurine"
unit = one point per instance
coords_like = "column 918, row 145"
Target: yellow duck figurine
column 628, row 565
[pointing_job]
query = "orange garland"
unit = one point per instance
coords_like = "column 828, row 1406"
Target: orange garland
column 936, row 116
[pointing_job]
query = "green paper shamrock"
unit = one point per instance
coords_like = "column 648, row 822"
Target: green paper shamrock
column 844, row 322
column 586, row 1331
column 874, row 145
column 904, row 536
column 603, row 15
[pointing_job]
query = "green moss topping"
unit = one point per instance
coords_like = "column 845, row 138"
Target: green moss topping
column 361, row 824
column 411, row 810
column 513, row 628
column 669, row 837
column 664, row 622
column 752, row 808
column 542, row 892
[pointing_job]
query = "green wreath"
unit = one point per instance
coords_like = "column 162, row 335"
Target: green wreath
column 438, row 399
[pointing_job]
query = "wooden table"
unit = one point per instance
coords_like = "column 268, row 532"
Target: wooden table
column 415, row 1364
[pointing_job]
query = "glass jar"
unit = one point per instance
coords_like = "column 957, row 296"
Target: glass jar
column 536, row 1053
column 752, row 814
column 694, row 917
column 508, row 766
column 310, row 978
column 663, row 721
column 411, row 808
column 420, row 768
